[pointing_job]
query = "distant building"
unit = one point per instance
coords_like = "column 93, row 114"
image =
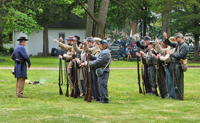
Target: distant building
column 74, row 25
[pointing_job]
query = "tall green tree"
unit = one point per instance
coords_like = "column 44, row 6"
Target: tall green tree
column 14, row 20
column 122, row 13
column 99, row 17
column 3, row 17
column 185, row 16
column 47, row 11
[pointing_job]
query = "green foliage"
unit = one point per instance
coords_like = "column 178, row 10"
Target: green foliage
column 2, row 49
column 18, row 21
column 11, row 50
column 126, row 11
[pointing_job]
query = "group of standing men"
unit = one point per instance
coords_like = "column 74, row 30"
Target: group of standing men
column 85, row 58
column 164, row 63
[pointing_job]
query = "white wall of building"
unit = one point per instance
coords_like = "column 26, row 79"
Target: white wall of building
column 35, row 43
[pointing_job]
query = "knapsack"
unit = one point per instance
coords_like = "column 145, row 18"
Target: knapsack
column 132, row 44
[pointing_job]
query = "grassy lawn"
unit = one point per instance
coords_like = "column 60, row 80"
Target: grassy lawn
column 6, row 61
column 44, row 104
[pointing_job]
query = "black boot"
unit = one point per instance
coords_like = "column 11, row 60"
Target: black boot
column 152, row 93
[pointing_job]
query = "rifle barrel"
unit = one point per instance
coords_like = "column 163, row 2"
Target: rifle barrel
column 59, row 83
column 67, row 91
column 174, row 78
column 142, row 76
column 90, row 93
column 138, row 72
column 160, row 79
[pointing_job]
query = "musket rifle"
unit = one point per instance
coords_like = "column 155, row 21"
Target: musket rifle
column 138, row 72
column 90, row 92
column 60, row 76
column 75, row 78
column 142, row 76
column 87, row 88
column 160, row 80
column 175, row 82
column 67, row 91
column 155, row 85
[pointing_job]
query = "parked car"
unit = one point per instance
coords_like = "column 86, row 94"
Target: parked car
column 114, row 45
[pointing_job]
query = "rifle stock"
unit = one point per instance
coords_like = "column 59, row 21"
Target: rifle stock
column 90, row 92
column 72, row 71
column 83, row 75
column 160, row 79
column 142, row 76
column 155, row 86
column 76, row 81
column 60, row 74
column 175, row 82
column 138, row 72
column 67, row 91
column 87, row 90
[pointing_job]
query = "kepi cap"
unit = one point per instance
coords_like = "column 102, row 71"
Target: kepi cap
column 147, row 38
column 177, row 35
column 69, row 38
column 96, row 39
column 91, row 39
column 102, row 42
column 152, row 43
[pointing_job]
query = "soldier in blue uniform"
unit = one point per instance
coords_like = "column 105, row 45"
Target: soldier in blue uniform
column 20, row 57
column 102, row 61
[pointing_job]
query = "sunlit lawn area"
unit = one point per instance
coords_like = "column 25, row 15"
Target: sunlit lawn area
column 44, row 104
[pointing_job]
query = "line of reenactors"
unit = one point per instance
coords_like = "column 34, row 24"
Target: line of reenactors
column 163, row 64
column 87, row 68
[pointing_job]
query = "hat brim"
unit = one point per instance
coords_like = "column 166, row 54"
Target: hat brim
column 69, row 39
column 22, row 39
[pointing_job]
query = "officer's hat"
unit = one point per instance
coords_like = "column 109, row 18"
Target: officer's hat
column 22, row 39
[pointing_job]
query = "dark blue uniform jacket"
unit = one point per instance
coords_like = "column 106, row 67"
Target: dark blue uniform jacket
column 23, row 57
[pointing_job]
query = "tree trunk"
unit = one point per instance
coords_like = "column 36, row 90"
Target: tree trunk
column 165, row 24
column 141, row 25
column 124, row 30
column 102, row 19
column 144, row 28
column 1, row 37
column 134, row 28
column 89, row 24
column 165, row 28
column 45, row 41
column 196, row 47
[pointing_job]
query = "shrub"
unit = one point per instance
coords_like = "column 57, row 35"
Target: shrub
column 2, row 49
column 11, row 50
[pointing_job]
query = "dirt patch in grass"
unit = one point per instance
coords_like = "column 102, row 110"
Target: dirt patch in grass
column 13, row 109
column 193, row 61
column 162, row 118
column 4, row 81
column 2, row 60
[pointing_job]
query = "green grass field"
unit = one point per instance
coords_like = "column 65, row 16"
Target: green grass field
column 44, row 104
column 6, row 61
